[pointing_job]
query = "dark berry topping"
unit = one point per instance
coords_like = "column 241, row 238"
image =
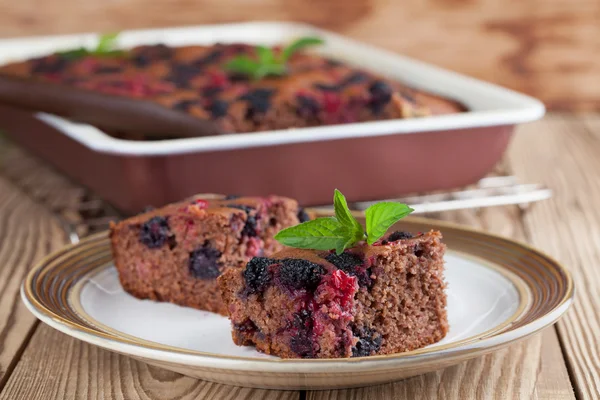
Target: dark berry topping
column 182, row 74
column 155, row 232
column 381, row 94
column 250, row 227
column 259, row 100
column 301, row 342
column 418, row 250
column 369, row 343
column 257, row 274
column 107, row 69
column 203, row 263
column 399, row 235
column 300, row 274
column 345, row 261
column 211, row 91
column 209, row 58
column 307, row 106
column 152, row 53
column 302, row 215
column 219, row 108
column 184, row 105
column 355, row 78
column 246, row 327
column 352, row 265
column 49, row 65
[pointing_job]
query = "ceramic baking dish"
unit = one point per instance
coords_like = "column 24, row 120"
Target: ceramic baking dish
column 369, row 160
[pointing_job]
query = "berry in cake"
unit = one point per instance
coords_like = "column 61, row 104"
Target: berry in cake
column 302, row 303
column 175, row 253
column 342, row 292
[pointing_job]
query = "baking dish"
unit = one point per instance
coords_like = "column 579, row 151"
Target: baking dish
column 365, row 160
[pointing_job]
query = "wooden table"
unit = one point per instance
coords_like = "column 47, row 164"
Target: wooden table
column 563, row 362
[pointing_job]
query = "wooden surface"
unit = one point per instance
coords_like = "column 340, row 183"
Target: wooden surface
column 547, row 48
column 560, row 363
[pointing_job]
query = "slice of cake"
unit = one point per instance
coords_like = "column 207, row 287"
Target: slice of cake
column 175, row 253
column 370, row 299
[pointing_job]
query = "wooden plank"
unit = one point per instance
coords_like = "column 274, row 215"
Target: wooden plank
column 532, row 369
column 55, row 366
column 547, row 48
column 568, row 227
column 27, row 233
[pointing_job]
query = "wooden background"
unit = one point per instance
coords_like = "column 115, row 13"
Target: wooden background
column 547, row 48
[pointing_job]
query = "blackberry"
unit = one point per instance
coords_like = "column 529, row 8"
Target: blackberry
column 257, row 275
column 247, row 326
column 352, row 265
column 211, row 91
column 182, row 74
column 381, row 94
column 307, row 106
column 369, row 343
column 203, row 263
column 152, row 53
column 184, row 105
column 354, row 78
column 250, row 226
column 259, row 101
column 302, row 215
column 418, row 250
column 399, row 235
column 209, row 58
column 50, row 65
column 219, row 108
column 301, row 343
column 300, row 274
column 155, row 232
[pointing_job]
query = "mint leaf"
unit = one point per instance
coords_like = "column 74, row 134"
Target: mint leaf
column 344, row 215
column 107, row 43
column 318, row 234
column 381, row 216
column 265, row 55
column 299, row 44
column 243, row 65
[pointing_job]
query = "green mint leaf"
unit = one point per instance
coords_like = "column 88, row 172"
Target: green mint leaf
column 73, row 54
column 106, row 42
column 318, row 234
column 243, row 65
column 299, row 44
column 344, row 215
column 265, row 55
column 381, row 216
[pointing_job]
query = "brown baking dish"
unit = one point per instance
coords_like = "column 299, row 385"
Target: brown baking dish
column 371, row 160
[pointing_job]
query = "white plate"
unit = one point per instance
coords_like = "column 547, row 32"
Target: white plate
column 489, row 105
column 499, row 292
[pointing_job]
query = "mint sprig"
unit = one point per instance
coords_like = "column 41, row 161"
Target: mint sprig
column 267, row 63
column 343, row 231
column 106, row 47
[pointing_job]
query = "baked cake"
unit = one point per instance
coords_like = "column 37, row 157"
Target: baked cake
column 187, row 91
column 175, row 253
column 380, row 299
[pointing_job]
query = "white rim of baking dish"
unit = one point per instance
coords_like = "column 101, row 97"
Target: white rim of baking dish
column 489, row 105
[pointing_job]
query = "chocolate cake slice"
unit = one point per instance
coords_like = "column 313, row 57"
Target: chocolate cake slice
column 380, row 299
column 175, row 253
